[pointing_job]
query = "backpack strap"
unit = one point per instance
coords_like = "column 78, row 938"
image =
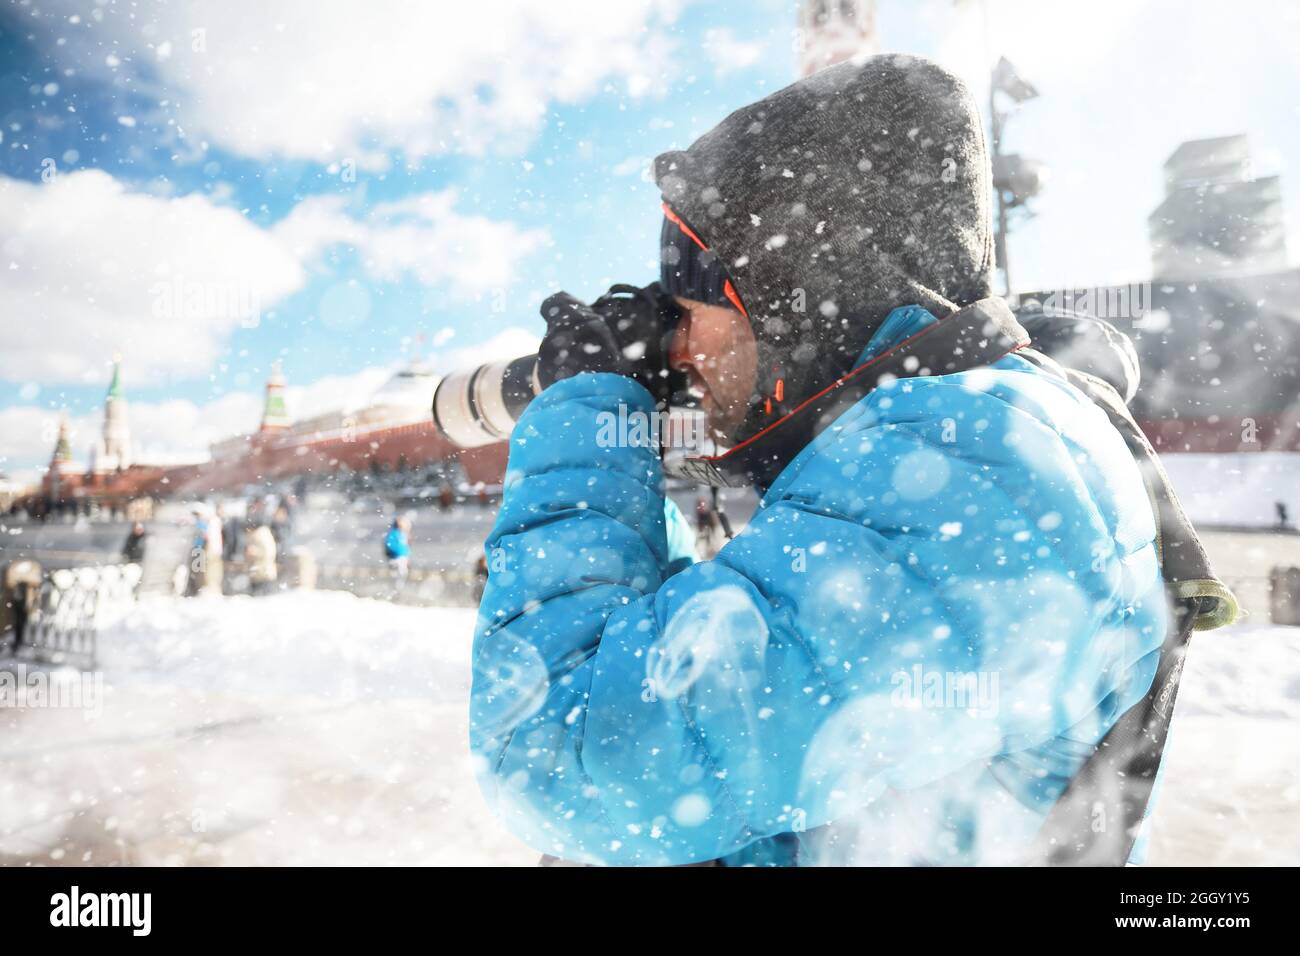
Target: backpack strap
column 1183, row 562
column 1097, row 819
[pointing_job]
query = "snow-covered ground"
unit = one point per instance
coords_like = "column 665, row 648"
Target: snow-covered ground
column 322, row 728
column 1231, row 793
column 300, row 728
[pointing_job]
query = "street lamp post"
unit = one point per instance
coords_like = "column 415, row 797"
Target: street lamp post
column 1016, row 179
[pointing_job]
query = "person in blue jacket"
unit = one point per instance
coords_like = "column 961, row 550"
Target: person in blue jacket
column 948, row 594
column 397, row 549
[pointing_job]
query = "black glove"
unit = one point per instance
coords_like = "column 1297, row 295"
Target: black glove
column 626, row 332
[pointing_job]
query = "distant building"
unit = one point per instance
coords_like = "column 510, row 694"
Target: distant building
column 831, row 31
column 404, row 398
column 10, row 492
column 1215, row 329
column 1217, row 218
column 112, row 452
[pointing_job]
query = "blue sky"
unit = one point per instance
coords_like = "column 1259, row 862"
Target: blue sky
column 497, row 156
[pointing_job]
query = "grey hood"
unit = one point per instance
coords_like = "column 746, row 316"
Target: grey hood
column 858, row 189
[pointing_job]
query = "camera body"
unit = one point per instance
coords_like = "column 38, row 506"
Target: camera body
column 479, row 406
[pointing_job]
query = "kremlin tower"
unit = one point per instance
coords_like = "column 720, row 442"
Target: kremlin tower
column 831, row 31
column 61, row 461
column 61, row 467
column 112, row 453
column 275, row 416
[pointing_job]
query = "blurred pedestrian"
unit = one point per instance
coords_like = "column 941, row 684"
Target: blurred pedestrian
column 214, row 544
column 703, row 515
column 232, row 532
column 397, row 549
column 133, row 548
column 198, row 560
column 260, row 558
column 282, row 526
column 709, row 537
column 206, row 548
column 480, row 576
column 20, row 592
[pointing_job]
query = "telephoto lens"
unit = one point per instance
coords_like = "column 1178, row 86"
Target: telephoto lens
column 479, row 406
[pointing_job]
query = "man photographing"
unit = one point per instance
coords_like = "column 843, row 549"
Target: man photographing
column 970, row 521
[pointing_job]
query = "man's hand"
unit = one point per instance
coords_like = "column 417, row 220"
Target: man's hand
column 625, row 332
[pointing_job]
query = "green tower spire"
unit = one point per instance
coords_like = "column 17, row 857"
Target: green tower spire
column 275, row 414
column 63, row 448
column 115, row 386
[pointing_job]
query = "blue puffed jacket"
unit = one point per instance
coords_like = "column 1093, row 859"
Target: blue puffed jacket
column 942, row 604
column 396, row 544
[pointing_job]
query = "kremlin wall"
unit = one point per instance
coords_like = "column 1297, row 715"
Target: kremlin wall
column 394, row 432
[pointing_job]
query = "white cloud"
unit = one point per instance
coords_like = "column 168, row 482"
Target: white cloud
column 329, row 394
column 181, row 430
column 1048, row 42
column 90, row 268
column 728, row 54
column 422, row 236
column 634, row 166
column 509, row 343
column 165, row 281
column 337, row 80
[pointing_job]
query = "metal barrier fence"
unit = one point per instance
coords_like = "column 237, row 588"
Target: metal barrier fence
column 71, row 608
